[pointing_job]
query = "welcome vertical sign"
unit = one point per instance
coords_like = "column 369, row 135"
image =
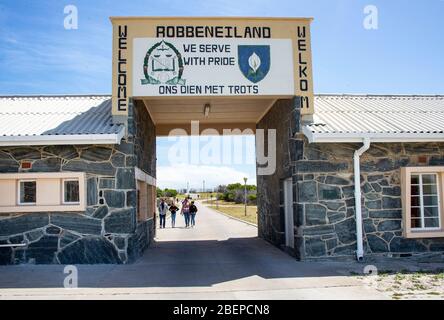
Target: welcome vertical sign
column 211, row 57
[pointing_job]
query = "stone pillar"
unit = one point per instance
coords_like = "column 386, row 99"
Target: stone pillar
column 284, row 117
column 142, row 134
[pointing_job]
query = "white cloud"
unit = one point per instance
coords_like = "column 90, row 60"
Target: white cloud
column 177, row 176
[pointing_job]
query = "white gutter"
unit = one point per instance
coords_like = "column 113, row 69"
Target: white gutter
column 358, row 210
column 40, row 140
column 356, row 137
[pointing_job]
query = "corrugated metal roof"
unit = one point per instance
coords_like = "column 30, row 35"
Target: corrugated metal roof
column 56, row 115
column 382, row 115
column 337, row 116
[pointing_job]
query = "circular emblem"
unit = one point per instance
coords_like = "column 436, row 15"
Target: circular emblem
column 163, row 64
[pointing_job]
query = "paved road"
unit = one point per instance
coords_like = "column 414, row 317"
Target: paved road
column 220, row 258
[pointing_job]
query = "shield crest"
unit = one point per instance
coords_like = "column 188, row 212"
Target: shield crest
column 254, row 61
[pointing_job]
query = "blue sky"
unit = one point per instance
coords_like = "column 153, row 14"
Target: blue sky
column 404, row 55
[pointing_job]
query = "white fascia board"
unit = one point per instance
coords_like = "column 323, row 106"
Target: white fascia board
column 142, row 176
column 374, row 137
column 113, row 138
column 308, row 133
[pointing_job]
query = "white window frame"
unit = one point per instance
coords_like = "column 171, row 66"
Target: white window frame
column 19, row 193
column 421, row 233
column 421, row 200
column 63, row 191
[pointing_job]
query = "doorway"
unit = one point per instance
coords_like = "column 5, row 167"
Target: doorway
column 198, row 150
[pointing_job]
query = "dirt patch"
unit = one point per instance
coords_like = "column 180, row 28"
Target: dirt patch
column 407, row 285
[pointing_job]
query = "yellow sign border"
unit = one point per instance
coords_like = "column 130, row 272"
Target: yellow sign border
column 125, row 29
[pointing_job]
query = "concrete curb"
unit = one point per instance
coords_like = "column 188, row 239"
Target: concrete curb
column 228, row 216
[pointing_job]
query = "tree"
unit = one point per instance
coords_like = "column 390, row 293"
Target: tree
column 172, row 193
column 235, row 192
column 252, row 198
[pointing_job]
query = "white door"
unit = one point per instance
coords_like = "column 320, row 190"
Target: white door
column 289, row 220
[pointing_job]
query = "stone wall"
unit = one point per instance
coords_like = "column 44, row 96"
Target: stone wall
column 108, row 231
column 142, row 128
column 284, row 117
column 326, row 206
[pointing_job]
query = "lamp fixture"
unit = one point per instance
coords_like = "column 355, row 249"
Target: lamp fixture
column 207, row 110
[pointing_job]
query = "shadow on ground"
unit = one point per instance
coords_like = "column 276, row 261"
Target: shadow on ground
column 246, row 263
column 177, row 264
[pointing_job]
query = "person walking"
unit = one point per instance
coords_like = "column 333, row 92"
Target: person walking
column 173, row 209
column 163, row 209
column 186, row 212
column 193, row 211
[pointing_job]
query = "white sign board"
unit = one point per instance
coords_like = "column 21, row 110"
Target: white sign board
column 212, row 67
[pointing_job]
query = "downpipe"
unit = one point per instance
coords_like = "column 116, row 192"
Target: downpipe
column 358, row 204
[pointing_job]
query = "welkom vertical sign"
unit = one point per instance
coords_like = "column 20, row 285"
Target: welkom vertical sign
column 211, row 57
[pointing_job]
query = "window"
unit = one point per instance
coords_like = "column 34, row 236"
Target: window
column 424, row 202
column 27, row 192
column 146, row 189
column 71, row 194
column 42, row 192
column 423, row 211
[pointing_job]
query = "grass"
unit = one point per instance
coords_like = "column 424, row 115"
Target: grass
column 397, row 296
column 180, row 197
column 237, row 211
column 206, row 195
column 223, row 202
column 439, row 276
column 202, row 195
